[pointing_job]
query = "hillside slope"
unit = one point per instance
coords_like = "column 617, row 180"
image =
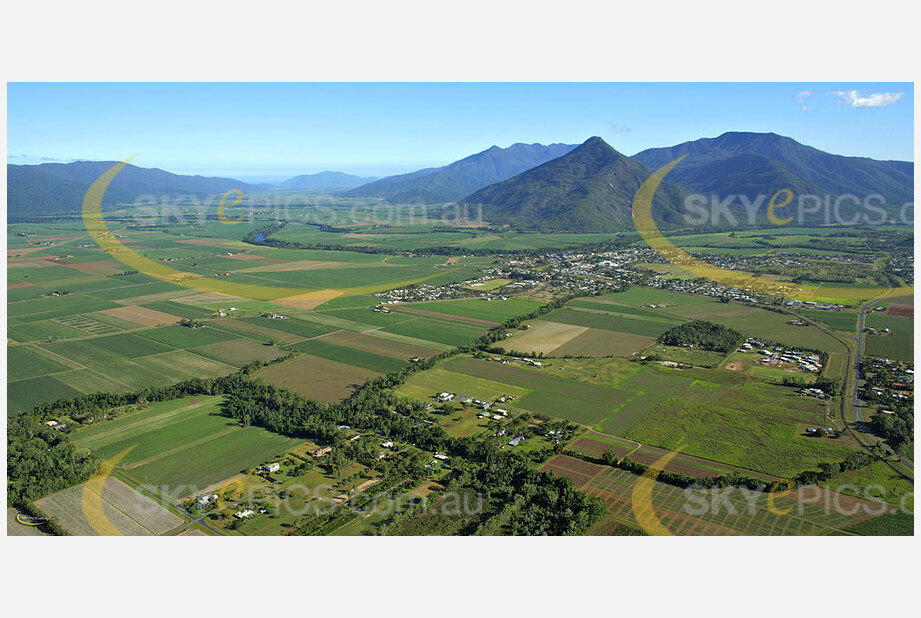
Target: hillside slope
column 589, row 189
column 822, row 172
column 58, row 188
column 459, row 179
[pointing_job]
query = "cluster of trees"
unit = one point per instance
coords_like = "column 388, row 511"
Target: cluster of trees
column 702, row 334
column 897, row 429
column 190, row 323
column 551, row 504
column 41, row 460
column 830, row 386
column 827, row 471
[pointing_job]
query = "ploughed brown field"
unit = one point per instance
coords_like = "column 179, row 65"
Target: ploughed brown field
column 578, row 471
column 594, row 447
column 141, row 315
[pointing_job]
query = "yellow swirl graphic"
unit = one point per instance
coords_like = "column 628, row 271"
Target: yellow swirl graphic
column 28, row 523
column 100, row 233
column 772, row 206
column 777, row 492
column 93, row 510
column 649, row 231
column 641, row 498
column 221, row 206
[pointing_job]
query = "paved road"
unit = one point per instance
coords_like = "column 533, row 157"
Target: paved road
column 856, row 403
column 861, row 317
column 852, row 378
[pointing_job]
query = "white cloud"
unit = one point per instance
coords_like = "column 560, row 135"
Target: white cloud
column 802, row 96
column 854, row 98
column 620, row 128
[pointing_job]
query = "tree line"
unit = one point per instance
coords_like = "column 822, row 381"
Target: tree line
column 552, row 505
column 264, row 239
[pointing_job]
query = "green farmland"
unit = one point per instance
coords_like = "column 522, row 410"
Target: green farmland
column 184, row 442
column 898, row 344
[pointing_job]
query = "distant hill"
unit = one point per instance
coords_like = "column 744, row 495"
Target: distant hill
column 58, row 188
column 743, row 160
column 589, row 189
column 461, row 178
column 325, row 182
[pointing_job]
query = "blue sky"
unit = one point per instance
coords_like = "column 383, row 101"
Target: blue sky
column 269, row 132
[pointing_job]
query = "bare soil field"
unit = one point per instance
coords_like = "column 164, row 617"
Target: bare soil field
column 578, row 471
column 317, row 378
column 648, row 457
column 141, row 315
column 130, row 512
column 901, row 311
column 309, row 300
column 545, row 337
column 597, row 342
column 594, row 447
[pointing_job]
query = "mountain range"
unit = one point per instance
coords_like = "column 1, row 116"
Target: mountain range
column 769, row 160
column 556, row 187
column 461, row 178
column 58, row 188
column 589, row 188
